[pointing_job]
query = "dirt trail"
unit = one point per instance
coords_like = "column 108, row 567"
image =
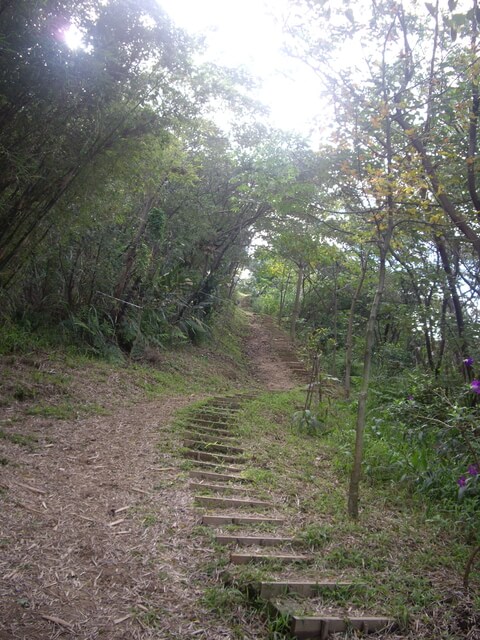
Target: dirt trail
column 96, row 526
column 269, row 370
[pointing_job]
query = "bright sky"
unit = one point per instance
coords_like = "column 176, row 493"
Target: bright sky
column 247, row 34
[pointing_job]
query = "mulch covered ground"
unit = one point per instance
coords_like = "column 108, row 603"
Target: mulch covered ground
column 96, row 519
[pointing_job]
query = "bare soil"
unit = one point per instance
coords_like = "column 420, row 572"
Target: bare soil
column 97, row 524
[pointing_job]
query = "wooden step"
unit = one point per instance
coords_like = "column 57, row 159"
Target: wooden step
column 220, row 477
column 321, row 626
column 245, row 558
column 224, row 520
column 219, row 468
column 212, row 445
column 205, row 456
column 229, row 404
column 305, row 588
column 217, row 487
column 215, row 413
column 247, row 541
column 211, row 437
column 225, row 503
column 208, row 422
column 210, row 431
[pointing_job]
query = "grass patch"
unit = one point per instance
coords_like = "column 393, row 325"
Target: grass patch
column 149, row 520
column 27, row 441
column 223, row 599
column 66, row 410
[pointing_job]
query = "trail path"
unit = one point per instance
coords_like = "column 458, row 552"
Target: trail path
column 96, row 525
column 269, row 370
column 262, row 531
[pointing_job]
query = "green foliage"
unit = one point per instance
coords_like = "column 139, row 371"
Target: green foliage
column 421, row 439
column 316, row 536
column 223, row 600
column 306, row 421
column 22, row 338
column 97, row 332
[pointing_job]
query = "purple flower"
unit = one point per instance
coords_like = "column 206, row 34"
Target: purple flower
column 468, row 362
column 462, row 481
column 475, row 386
column 473, row 470
column 411, row 398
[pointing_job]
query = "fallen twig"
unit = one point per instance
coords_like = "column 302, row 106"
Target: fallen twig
column 115, row 522
column 30, row 488
column 57, row 620
column 119, row 620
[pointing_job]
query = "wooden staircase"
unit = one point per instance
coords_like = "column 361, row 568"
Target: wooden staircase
column 303, row 602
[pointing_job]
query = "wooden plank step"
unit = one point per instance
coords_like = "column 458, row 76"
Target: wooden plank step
column 220, row 477
column 211, row 501
column 260, row 541
column 212, row 445
column 208, row 422
column 217, row 487
column 211, row 437
column 229, row 404
column 305, row 588
column 320, row 627
column 213, row 431
column 205, row 456
column 216, row 519
column 245, row 558
column 220, row 412
column 219, row 468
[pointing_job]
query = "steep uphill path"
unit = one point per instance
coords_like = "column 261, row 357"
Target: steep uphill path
column 96, row 526
column 259, row 530
column 274, row 363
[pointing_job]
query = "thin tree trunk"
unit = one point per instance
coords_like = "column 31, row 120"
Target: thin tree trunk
column 335, row 320
column 442, row 198
column 443, row 337
column 384, row 238
column 296, row 304
column 351, row 317
column 283, row 290
column 353, row 492
column 452, row 287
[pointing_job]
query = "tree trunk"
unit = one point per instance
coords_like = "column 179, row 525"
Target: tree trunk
column 335, row 320
column 384, row 238
column 452, row 288
column 353, row 492
column 296, row 304
column 351, row 316
column 130, row 258
column 446, row 203
column 283, row 292
column 443, row 337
